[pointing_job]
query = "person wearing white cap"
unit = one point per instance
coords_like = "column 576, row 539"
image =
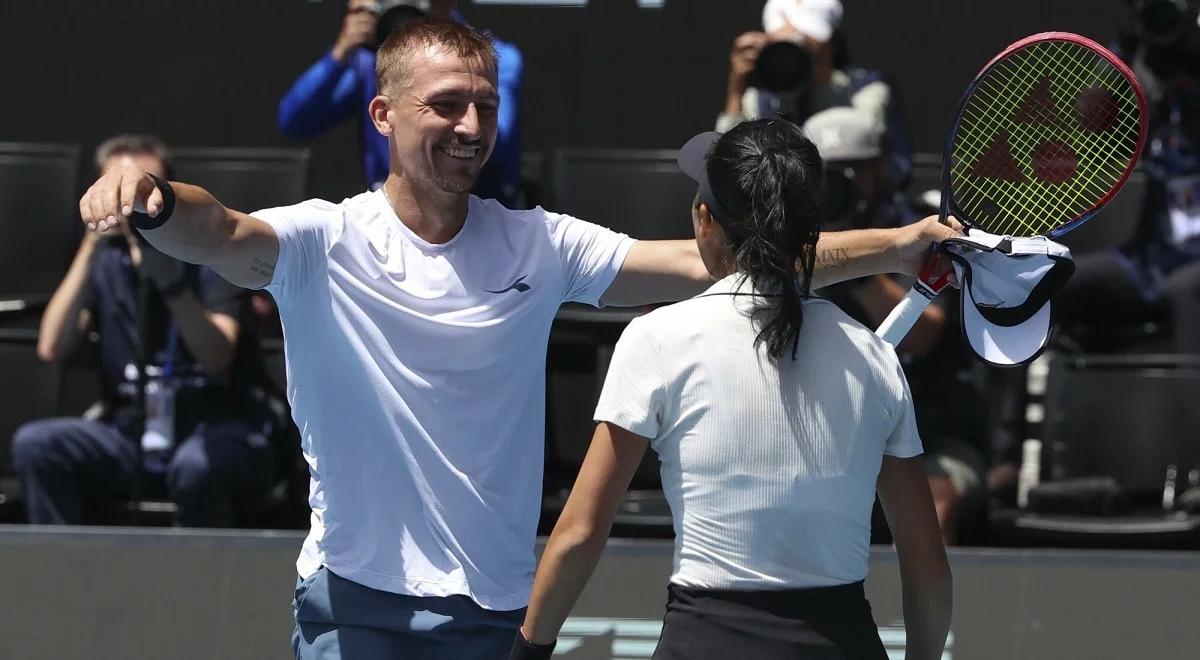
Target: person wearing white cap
column 787, row 84
column 852, row 146
column 776, row 419
column 860, row 197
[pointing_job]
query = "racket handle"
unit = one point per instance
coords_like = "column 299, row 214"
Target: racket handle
column 905, row 315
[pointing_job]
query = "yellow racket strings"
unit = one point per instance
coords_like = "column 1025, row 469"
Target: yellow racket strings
column 990, row 121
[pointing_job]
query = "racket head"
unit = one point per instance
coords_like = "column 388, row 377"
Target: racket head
column 1046, row 134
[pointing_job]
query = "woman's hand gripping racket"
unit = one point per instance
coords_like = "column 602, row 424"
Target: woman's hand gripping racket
column 1045, row 135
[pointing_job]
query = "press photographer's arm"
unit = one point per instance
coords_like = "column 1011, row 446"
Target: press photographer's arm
column 199, row 229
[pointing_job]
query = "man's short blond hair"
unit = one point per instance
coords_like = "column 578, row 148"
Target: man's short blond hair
column 392, row 60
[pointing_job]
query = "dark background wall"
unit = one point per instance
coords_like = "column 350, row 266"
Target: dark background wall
column 608, row 74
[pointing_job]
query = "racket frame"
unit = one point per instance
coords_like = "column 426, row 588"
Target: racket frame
column 948, row 207
column 906, row 314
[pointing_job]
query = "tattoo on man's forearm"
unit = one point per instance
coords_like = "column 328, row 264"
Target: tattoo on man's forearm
column 260, row 267
column 833, row 258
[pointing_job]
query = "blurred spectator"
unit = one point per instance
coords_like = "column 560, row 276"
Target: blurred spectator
column 933, row 353
column 342, row 83
column 798, row 66
column 1160, row 263
column 199, row 387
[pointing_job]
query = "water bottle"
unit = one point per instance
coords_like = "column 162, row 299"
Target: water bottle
column 158, row 438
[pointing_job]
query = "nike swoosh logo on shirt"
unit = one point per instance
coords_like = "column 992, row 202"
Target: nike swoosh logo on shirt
column 518, row 285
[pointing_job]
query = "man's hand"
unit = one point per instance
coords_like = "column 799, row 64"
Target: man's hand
column 358, row 29
column 744, row 57
column 913, row 242
column 117, row 195
column 742, row 60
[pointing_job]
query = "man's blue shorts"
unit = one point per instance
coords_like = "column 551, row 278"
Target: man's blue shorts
column 337, row 618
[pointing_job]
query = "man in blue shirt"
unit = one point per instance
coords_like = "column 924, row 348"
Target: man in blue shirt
column 342, row 83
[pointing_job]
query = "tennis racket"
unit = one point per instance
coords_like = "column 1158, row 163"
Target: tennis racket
column 1045, row 135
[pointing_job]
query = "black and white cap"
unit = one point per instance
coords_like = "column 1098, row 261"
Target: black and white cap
column 1006, row 288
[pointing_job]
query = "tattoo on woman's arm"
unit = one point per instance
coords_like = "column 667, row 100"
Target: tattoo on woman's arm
column 833, row 258
column 260, row 267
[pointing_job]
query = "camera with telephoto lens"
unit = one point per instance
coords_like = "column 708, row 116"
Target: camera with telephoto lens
column 782, row 67
column 1160, row 34
column 1162, row 22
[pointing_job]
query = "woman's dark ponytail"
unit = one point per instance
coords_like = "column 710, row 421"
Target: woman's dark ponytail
column 771, row 178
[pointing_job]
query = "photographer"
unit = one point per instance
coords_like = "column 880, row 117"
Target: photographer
column 204, row 434
column 341, row 84
column 1159, row 266
column 798, row 66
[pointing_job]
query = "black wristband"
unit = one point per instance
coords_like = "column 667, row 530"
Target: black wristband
column 143, row 220
column 524, row 649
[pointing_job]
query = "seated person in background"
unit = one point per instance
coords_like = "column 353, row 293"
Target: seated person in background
column 787, row 83
column 196, row 323
column 1160, row 263
column 933, row 354
column 342, row 83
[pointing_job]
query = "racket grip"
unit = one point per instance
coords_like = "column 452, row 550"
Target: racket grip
column 904, row 316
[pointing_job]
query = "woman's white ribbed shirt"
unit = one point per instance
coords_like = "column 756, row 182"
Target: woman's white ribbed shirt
column 769, row 466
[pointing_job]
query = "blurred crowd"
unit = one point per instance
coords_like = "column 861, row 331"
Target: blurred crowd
column 188, row 413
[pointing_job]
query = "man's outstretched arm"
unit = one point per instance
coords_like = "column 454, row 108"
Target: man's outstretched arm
column 668, row 271
column 199, row 230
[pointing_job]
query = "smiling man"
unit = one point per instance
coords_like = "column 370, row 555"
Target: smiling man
column 416, row 320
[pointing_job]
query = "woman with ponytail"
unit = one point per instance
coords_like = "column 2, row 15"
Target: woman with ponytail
column 776, row 417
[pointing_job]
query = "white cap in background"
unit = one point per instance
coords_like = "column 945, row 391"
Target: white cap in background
column 843, row 133
column 814, row 18
column 419, row 5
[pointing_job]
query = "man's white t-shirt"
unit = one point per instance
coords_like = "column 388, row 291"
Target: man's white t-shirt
column 416, row 375
column 769, row 467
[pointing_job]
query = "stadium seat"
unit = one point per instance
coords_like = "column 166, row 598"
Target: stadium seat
column 581, row 344
column 246, row 179
column 39, row 194
column 639, row 192
column 1131, row 418
column 1147, row 531
column 32, row 390
column 1124, row 416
